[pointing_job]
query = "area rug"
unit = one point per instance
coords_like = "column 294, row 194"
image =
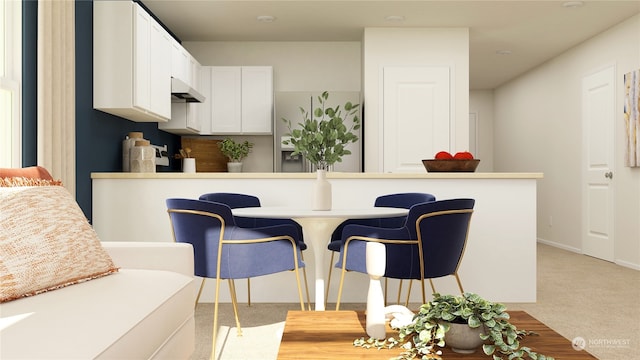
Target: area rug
column 259, row 342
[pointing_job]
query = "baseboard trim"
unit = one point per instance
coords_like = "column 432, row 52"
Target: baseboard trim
column 627, row 264
column 560, row 246
column 622, row 263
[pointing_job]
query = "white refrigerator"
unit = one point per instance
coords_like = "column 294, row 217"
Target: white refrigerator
column 287, row 105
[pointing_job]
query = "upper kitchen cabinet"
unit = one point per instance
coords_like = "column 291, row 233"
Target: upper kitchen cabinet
column 242, row 99
column 184, row 66
column 188, row 118
column 131, row 63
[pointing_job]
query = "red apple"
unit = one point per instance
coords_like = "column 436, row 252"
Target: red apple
column 443, row 155
column 463, row 155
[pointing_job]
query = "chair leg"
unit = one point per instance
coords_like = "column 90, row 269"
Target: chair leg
column 433, row 288
column 406, row 303
column 399, row 292
column 199, row 292
column 386, row 286
column 459, row 283
column 340, row 288
column 300, row 290
column 248, row 292
column 306, row 283
column 234, row 303
column 326, row 293
column 215, row 321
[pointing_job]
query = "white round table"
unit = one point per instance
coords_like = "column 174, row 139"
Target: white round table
column 317, row 227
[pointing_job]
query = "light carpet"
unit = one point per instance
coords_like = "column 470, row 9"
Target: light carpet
column 578, row 296
column 255, row 343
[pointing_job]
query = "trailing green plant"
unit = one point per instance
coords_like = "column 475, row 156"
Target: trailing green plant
column 323, row 134
column 235, row 151
column 422, row 338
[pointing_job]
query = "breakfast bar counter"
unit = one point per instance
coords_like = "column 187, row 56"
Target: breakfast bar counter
column 502, row 238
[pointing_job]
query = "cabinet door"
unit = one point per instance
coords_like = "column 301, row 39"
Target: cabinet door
column 416, row 116
column 204, row 110
column 257, row 99
column 179, row 61
column 141, row 59
column 160, row 71
column 226, row 100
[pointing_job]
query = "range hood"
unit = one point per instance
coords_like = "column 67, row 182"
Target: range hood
column 181, row 92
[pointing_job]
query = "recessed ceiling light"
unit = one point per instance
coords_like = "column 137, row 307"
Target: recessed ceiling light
column 503, row 52
column 572, row 4
column 266, row 18
column 394, row 18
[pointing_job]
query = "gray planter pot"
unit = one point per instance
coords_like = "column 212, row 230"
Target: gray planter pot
column 234, row 167
column 463, row 339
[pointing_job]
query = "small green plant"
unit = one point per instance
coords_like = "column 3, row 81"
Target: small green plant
column 323, row 135
column 235, row 151
column 422, row 338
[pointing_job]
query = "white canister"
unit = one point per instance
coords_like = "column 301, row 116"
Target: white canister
column 127, row 144
column 143, row 157
column 189, row 165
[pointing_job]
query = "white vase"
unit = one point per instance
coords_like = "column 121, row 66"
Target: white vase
column 321, row 192
column 234, row 167
column 376, row 258
column 189, row 165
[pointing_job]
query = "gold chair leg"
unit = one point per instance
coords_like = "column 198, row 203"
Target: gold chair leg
column 386, row 286
column 433, row 288
column 215, row 321
column 199, row 292
column 406, row 303
column 399, row 292
column 234, row 302
column 306, row 283
column 300, row 289
column 459, row 283
column 248, row 292
column 326, row 293
column 340, row 287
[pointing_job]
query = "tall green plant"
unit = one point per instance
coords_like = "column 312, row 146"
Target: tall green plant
column 323, row 134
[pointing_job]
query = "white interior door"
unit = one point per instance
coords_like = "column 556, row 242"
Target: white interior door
column 598, row 116
column 416, row 111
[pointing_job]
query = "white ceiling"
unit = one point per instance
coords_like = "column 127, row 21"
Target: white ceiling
column 534, row 31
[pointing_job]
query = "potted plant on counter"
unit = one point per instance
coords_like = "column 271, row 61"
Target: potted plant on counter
column 235, row 152
column 321, row 138
column 434, row 324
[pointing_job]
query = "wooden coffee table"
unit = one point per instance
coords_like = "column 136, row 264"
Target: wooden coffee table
column 330, row 335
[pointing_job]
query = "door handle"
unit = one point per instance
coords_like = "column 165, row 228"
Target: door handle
column 608, row 175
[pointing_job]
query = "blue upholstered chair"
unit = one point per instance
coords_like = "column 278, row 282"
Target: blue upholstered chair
column 222, row 250
column 236, row 201
column 429, row 245
column 399, row 200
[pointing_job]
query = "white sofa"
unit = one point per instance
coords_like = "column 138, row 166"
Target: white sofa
column 144, row 311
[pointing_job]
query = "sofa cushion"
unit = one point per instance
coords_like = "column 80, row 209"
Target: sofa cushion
column 46, row 242
column 127, row 315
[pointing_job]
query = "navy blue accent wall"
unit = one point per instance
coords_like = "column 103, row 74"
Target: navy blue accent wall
column 29, row 83
column 99, row 135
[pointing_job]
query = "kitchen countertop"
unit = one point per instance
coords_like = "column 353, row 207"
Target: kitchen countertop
column 330, row 175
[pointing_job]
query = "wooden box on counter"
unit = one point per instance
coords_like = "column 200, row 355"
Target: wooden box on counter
column 207, row 154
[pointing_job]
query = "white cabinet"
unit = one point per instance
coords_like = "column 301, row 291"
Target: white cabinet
column 416, row 116
column 242, row 100
column 192, row 118
column 132, row 63
column 180, row 62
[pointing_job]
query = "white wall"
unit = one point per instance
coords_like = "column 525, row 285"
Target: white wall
column 297, row 66
column 413, row 47
column 481, row 103
column 538, row 127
